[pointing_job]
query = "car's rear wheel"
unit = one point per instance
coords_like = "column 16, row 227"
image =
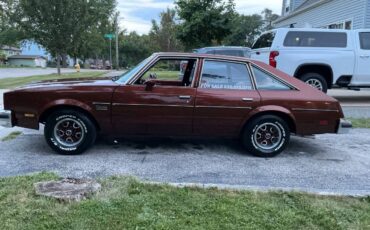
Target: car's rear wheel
column 266, row 136
column 315, row 80
column 69, row 132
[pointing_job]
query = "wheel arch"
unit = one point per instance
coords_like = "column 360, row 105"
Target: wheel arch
column 281, row 112
column 77, row 106
column 321, row 68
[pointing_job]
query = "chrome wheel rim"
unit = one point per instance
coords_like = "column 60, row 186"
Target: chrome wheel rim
column 315, row 83
column 69, row 132
column 267, row 136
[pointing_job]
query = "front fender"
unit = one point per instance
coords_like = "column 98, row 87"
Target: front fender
column 65, row 102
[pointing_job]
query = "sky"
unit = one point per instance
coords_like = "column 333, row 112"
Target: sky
column 136, row 15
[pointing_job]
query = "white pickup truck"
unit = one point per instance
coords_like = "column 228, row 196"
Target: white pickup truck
column 320, row 57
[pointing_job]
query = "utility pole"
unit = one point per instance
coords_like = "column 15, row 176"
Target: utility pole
column 116, row 17
column 110, row 53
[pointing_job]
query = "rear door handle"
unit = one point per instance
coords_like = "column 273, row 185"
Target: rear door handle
column 247, row 99
column 365, row 56
column 184, row 97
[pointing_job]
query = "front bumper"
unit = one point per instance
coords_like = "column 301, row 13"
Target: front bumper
column 344, row 126
column 5, row 119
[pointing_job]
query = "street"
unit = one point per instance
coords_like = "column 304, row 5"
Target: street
column 26, row 72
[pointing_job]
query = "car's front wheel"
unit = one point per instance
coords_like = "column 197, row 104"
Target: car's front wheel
column 266, row 136
column 69, row 132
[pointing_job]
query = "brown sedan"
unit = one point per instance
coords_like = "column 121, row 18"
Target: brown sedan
column 214, row 96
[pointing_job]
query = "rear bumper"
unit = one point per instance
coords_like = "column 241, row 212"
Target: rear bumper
column 5, row 119
column 344, row 126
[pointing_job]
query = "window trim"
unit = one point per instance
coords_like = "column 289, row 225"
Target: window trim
column 282, row 81
column 155, row 61
column 228, row 61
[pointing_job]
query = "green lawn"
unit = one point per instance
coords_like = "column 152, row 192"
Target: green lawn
column 9, row 83
column 164, row 75
column 125, row 203
column 360, row 122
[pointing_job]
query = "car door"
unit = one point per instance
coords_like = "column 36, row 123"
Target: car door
column 225, row 97
column 362, row 69
column 165, row 108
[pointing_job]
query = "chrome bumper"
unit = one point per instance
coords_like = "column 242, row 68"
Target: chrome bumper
column 5, row 119
column 344, row 126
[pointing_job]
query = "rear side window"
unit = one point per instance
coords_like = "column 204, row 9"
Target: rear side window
column 315, row 39
column 238, row 53
column 365, row 41
column 265, row 81
column 225, row 75
column 264, row 41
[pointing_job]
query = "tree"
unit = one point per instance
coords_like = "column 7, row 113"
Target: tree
column 61, row 26
column 204, row 22
column 164, row 34
column 269, row 17
column 10, row 33
column 134, row 48
column 244, row 30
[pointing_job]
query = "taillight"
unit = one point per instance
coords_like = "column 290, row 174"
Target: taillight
column 273, row 55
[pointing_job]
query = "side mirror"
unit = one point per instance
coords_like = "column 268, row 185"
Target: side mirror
column 149, row 85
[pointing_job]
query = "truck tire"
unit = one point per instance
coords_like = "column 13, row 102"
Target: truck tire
column 315, row 80
column 266, row 136
column 69, row 132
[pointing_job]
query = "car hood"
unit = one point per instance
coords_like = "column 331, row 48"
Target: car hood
column 74, row 82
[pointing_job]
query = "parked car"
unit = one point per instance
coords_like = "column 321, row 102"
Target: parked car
column 320, row 57
column 237, row 51
column 219, row 96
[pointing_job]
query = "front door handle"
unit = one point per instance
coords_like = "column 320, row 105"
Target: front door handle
column 247, row 99
column 184, row 97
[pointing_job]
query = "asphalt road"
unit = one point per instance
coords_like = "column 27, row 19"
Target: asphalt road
column 337, row 164
column 26, row 72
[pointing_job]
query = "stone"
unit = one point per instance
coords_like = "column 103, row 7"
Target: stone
column 68, row 189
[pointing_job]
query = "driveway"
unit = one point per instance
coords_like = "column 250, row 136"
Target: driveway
column 337, row 164
column 26, row 72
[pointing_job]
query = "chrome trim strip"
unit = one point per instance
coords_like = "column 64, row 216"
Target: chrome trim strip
column 313, row 110
column 223, row 107
column 151, row 105
column 101, row 103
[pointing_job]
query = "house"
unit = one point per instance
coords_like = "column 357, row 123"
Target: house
column 332, row 14
column 27, row 61
column 10, row 51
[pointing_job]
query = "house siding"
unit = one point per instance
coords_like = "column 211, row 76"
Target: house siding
column 367, row 16
column 329, row 13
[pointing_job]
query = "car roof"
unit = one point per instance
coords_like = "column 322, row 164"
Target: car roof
column 201, row 55
column 308, row 30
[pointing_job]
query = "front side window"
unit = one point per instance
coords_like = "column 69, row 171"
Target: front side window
column 225, row 75
column 365, row 40
column 265, row 81
column 264, row 41
column 176, row 72
column 315, row 39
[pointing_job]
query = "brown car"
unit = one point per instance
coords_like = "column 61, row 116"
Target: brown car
column 216, row 96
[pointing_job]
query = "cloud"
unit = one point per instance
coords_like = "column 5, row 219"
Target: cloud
column 137, row 14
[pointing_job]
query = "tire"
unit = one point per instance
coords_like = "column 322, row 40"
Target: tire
column 69, row 132
column 315, row 80
column 273, row 143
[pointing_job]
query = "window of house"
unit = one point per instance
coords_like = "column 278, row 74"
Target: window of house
column 365, row 40
column 225, row 75
column 264, row 41
column 315, row 39
column 341, row 25
column 265, row 81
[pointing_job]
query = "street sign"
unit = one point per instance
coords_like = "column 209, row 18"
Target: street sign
column 109, row 36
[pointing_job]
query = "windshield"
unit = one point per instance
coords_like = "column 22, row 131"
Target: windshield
column 123, row 79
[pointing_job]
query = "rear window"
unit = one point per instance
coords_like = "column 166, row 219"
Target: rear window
column 238, row 53
column 264, row 41
column 315, row 39
column 365, row 41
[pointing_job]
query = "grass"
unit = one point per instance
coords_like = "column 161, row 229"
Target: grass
column 125, row 203
column 164, row 75
column 11, row 136
column 9, row 83
column 360, row 122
